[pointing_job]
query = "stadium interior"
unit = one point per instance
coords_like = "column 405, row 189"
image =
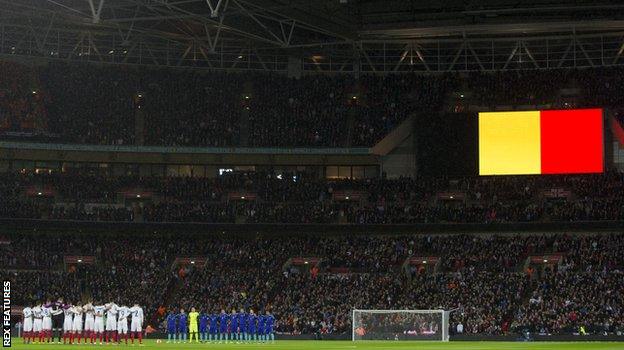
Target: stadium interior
column 306, row 159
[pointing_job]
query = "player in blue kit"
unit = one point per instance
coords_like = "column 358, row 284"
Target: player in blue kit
column 223, row 326
column 172, row 320
column 234, row 332
column 261, row 325
column 212, row 328
column 269, row 327
column 203, row 327
column 182, row 325
column 251, row 325
column 242, row 324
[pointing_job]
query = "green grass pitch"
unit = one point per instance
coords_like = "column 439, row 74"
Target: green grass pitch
column 345, row 345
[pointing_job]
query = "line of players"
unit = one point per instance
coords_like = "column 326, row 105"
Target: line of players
column 101, row 321
column 234, row 327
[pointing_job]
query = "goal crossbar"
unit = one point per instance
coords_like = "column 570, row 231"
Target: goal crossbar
column 404, row 311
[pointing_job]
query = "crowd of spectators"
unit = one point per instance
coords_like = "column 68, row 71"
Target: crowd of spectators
column 488, row 285
column 565, row 300
column 312, row 111
column 259, row 197
column 482, row 276
column 22, row 102
column 92, row 104
column 190, row 109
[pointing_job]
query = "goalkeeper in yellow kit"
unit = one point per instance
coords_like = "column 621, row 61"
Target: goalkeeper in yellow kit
column 193, row 316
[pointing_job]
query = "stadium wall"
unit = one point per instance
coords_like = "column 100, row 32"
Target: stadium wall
column 398, row 151
column 401, row 161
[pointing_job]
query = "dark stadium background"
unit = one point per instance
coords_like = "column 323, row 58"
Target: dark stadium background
column 309, row 158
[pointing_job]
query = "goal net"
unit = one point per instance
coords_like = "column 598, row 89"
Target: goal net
column 429, row 325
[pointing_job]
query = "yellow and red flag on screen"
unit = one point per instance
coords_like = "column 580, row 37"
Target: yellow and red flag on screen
column 541, row 142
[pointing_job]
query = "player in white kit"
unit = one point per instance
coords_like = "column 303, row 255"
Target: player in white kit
column 46, row 325
column 28, row 325
column 89, row 322
column 122, row 322
column 136, row 326
column 98, row 326
column 37, row 322
column 77, row 324
column 111, row 322
column 68, row 321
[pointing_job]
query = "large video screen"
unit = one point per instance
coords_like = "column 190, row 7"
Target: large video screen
column 541, row 142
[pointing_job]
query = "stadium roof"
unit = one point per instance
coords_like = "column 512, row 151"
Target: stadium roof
column 355, row 35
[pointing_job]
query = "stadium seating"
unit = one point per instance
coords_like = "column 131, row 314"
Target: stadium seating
column 494, row 282
column 84, row 196
column 88, row 104
column 498, row 284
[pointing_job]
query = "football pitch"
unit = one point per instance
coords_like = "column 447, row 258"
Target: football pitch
column 346, row 345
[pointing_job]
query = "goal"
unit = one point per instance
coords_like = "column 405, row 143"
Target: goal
column 429, row 325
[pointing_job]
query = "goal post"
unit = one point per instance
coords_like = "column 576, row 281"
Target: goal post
column 431, row 325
